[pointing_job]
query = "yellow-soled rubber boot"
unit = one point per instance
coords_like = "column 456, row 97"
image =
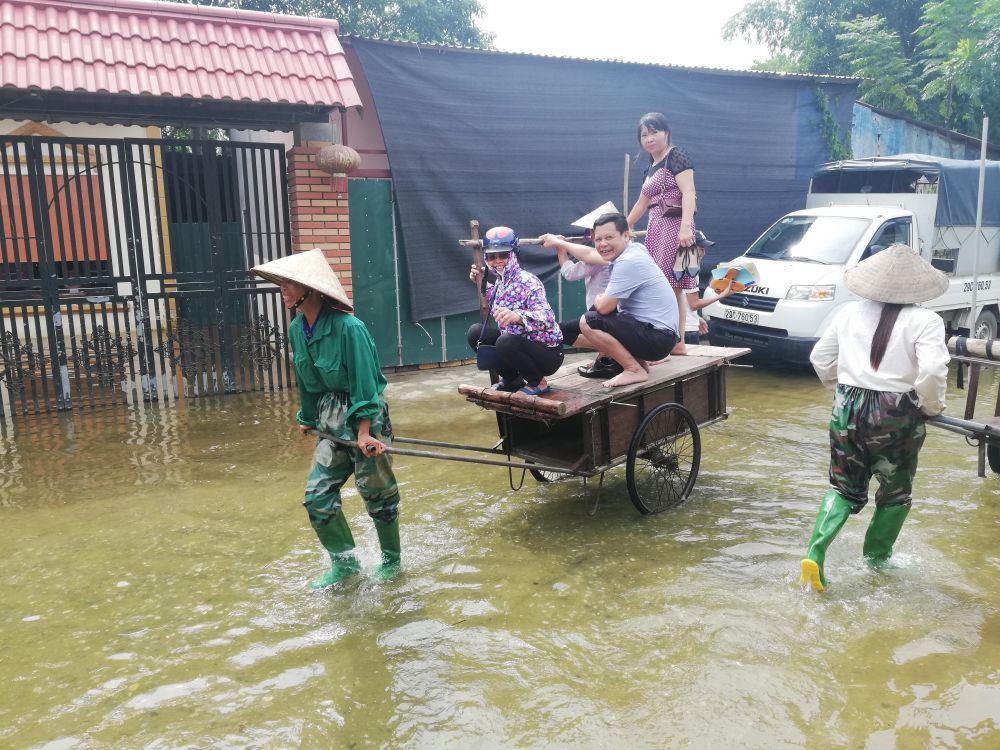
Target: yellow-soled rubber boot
column 833, row 514
column 811, row 575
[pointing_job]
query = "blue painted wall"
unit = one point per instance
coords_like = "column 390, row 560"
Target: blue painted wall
column 875, row 133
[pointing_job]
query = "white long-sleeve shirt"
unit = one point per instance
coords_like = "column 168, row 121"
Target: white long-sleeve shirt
column 916, row 357
column 594, row 277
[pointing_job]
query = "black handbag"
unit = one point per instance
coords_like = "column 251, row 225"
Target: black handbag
column 487, row 357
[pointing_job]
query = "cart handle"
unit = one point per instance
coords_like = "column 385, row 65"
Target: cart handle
column 449, row 457
column 965, row 427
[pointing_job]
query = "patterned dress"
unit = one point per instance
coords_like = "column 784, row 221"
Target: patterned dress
column 662, row 232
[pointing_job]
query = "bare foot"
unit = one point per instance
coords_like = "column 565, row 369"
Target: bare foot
column 680, row 349
column 626, row 378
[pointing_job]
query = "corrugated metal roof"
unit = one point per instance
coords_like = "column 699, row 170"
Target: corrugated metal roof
column 813, row 77
column 166, row 49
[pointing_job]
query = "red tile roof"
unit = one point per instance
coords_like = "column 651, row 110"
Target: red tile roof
column 167, row 49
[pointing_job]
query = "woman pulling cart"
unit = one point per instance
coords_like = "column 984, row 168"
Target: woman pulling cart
column 340, row 387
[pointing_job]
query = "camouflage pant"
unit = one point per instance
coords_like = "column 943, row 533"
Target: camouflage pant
column 333, row 465
column 874, row 433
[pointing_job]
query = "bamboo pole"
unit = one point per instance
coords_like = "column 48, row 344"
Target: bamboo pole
column 520, row 400
column 628, row 165
column 514, row 411
column 478, row 244
column 477, row 258
column 967, row 347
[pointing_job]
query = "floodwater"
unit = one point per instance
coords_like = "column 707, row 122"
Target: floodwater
column 154, row 571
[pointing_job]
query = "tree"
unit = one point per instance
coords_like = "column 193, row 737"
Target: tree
column 875, row 53
column 936, row 59
column 955, row 68
column 450, row 22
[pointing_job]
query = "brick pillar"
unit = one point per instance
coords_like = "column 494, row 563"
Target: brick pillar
column 319, row 210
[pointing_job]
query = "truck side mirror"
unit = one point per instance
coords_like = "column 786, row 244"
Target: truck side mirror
column 871, row 250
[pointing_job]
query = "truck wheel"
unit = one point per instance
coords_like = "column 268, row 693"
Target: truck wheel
column 986, row 325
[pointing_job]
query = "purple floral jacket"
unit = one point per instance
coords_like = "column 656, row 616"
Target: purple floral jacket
column 522, row 292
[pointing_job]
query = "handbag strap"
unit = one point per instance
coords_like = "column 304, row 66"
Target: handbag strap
column 489, row 309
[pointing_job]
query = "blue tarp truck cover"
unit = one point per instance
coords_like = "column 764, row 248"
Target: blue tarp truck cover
column 957, row 183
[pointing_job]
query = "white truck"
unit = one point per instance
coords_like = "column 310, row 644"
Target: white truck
column 853, row 210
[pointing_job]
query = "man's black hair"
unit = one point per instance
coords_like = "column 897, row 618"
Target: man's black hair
column 620, row 222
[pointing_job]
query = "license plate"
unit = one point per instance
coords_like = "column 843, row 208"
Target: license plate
column 743, row 317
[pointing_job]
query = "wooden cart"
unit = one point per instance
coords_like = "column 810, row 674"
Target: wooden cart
column 583, row 429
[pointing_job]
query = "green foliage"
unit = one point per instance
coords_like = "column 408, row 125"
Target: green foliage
column 449, row 22
column 938, row 60
column 177, row 133
column 835, row 148
column 875, row 53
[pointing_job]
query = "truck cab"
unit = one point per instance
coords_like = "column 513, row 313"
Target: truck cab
column 801, row 261
column 855, row 209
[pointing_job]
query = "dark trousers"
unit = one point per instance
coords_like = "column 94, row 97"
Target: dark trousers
column 529, row 359
column 571, row 329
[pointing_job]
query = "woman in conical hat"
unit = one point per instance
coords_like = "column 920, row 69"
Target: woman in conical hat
column 340, row 388
column 888, row 361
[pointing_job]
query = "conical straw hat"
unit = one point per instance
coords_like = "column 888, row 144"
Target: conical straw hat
column 309, row 268
column 896, row 275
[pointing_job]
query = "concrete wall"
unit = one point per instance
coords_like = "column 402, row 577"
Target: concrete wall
column 877, row 133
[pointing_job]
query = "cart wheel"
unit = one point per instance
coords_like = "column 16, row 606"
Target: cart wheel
column 546, row 476
column 663, row 459
column 993, row 458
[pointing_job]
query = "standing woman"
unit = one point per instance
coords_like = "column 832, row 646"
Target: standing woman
column 888, row 360
column 340, row 388
column 668, row 193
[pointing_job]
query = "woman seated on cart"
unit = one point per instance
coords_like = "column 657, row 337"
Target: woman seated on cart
column 527, row 339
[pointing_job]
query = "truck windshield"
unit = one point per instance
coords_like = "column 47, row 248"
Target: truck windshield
column 815, row 239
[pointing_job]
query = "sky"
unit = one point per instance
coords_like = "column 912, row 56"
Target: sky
column 667, row 32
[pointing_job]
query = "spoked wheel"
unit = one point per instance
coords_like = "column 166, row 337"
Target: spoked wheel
column 546, row 476
column 993, row 457
column 663, row 458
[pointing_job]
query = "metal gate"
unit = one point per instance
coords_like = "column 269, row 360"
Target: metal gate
column 124, row 271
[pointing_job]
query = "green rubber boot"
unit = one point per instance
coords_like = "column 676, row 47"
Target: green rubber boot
column 833, row 514
column 336, row 537
column 882, row 532
column 388, row 540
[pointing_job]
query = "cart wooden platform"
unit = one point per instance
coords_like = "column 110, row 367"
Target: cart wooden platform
column 583, row 429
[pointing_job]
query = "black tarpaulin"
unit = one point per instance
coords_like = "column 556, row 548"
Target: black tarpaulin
column 534, row 143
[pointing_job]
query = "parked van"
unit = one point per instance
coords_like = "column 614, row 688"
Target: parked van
column 855, row 209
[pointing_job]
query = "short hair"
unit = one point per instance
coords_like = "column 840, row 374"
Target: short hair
column 654, row 121
column 620, row 222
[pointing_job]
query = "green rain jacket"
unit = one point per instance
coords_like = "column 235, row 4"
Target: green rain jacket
column 339, row 357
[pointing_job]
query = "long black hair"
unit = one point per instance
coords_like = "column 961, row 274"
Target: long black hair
column 880, row 341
